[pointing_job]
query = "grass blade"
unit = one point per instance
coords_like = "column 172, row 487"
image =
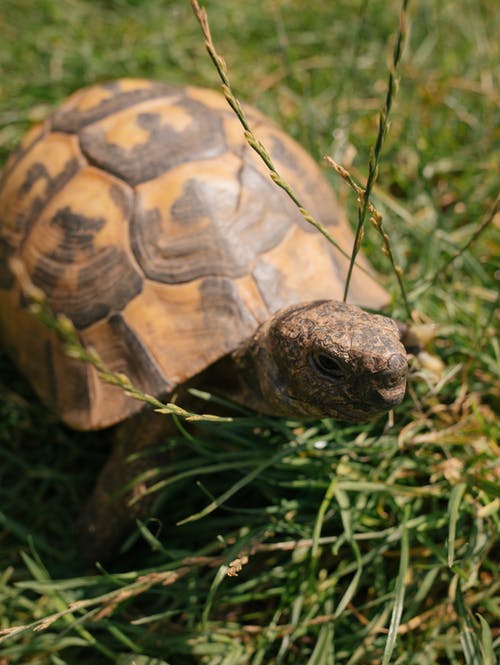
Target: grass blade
column 486, row 643
column 397, row 610
column 323, row 653
column 453, row 512
column 468, row 636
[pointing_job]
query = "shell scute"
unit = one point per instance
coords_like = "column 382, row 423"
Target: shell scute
column 78, row 251
column 212, row 221
column 144, row 141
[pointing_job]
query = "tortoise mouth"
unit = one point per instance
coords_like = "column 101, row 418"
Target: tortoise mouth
column 388, row 397
column 376, row 403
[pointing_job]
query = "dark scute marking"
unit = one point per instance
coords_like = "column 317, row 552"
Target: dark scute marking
column 222, row 306
column 311, row 187
column 110, row 282
column 77, row 228
column 138, row 363
column 6, row 277
column 48, row 272
column 96, row 311
column 35, row 172
column 220, row 294
column 72, row 120
column 38, row 171
column 150, row 121
column 17, row 155
column 179, row 258
column 271, row 285
column 166, row 147
column 53, row 185
column 145, row 226
column 123, row 199
column 226, row 225
column 106, row 279
column 189, row 207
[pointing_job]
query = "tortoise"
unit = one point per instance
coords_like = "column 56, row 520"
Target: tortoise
column 141, row 212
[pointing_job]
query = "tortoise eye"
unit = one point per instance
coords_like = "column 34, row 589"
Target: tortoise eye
column 327, row 365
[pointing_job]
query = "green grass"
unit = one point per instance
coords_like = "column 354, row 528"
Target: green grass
column 359, row 539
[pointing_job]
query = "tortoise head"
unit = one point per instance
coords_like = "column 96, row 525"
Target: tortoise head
column 329, row 359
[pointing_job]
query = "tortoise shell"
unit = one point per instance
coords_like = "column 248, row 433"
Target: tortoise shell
column 142, row 213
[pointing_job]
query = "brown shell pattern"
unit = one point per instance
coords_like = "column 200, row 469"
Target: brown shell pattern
column 142, row 213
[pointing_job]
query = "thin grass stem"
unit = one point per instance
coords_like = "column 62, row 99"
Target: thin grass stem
column 252, row 140
column 374, row 160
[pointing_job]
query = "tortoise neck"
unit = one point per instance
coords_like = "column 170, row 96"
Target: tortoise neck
column 241, row 375
column 231, row 377
column 257, row 374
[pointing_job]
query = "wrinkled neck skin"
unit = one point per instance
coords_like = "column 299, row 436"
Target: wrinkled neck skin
column 259, row 386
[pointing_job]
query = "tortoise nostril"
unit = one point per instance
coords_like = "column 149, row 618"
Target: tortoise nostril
column 397, row 363
column 393, row 379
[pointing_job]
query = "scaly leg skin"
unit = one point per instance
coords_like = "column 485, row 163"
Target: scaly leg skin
column 110, row 514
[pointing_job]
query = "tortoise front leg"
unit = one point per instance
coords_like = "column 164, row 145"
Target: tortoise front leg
column 409, row 338
column 111, row 511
